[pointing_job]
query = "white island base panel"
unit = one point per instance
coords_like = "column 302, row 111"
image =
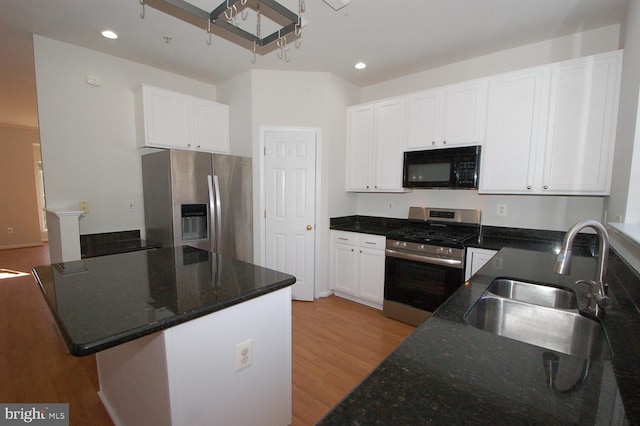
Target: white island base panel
column 186, row 374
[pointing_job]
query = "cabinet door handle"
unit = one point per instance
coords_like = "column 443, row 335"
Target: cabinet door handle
column 528, row 186
column 343, row 238
column 444, row 142
column 433, row 142
column 370, row 242
column 309, row 227
column 546, row 187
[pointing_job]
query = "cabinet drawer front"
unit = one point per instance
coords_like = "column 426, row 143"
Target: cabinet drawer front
column 372, row 241
column 344, row 237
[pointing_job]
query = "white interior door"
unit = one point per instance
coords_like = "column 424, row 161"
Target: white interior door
column 290, row 205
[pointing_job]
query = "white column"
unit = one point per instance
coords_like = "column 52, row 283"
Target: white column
column 64, row 235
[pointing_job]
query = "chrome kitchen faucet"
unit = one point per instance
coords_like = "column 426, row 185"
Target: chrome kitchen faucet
column 598, row 299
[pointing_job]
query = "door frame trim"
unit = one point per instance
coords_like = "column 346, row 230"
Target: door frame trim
column 316, row 215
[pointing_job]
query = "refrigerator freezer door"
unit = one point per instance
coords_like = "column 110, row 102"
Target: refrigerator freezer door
column 189, row 171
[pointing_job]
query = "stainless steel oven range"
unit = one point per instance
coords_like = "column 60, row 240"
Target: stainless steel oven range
column 424, row 262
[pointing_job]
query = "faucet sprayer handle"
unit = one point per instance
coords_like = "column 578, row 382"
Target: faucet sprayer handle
column 604, row 302
column 597, row 295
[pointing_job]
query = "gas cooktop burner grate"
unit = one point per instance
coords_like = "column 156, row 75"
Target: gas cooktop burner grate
column 432, row 236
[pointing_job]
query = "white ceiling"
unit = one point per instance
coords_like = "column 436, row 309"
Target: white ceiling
column 394, row 37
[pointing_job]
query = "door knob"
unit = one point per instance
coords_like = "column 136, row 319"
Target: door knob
column 309, row 227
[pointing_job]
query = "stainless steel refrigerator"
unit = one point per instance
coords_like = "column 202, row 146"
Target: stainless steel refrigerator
column 200, row 200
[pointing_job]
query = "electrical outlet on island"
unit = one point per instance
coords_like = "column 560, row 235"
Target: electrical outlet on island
column 244, row 354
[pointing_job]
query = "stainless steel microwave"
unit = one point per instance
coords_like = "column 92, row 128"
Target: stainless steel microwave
column 455, row 168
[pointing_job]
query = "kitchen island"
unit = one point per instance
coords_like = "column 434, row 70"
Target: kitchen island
column 448, row 372
column 169, row 326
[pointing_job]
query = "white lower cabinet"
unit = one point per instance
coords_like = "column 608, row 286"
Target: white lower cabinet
column 357, row 267
column 476, row 259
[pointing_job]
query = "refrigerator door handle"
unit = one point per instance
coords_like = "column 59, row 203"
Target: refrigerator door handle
column 216, row 187
column 216, row 208
column 212, row 215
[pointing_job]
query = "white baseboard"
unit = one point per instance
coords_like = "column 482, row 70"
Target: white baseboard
column 25, row 245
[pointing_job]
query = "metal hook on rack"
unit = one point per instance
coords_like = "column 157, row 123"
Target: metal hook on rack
column 298, row 28
column 244, row 14
column 142, row 13
column 209, row 32
column 298, row 32
column 282, row 44
column 253, row 60
column 231, row 13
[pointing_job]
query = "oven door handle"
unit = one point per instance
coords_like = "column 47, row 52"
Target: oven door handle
column 456, row 263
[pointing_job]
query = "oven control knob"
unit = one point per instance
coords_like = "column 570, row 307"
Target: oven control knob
column 440, row 250
column 421, row 247
column 449, row 251
column 403, row 245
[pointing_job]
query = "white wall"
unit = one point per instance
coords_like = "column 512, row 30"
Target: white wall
column 559, row 49
column 624, row 202
column 237, row 94
column 88, row 133
column 316, row 100
column 19, row 206
column 296, row 99
column 536, row 212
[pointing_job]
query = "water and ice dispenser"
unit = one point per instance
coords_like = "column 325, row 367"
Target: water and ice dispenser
column 194, row 222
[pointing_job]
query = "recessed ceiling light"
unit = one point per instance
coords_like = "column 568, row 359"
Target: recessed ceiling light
column 109, row 34
column 360, row 65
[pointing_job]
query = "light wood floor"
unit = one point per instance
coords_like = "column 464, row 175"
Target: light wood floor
column 336, row 343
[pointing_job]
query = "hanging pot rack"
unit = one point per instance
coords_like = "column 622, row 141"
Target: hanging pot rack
column 222, row 21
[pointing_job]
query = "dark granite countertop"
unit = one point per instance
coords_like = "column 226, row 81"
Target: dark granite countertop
column 105, row 301
column 104, row 244
column 367, row 224
column 491, row 237
column 448, row 372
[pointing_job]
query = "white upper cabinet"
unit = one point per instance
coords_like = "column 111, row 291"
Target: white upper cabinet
column 583, row 111
column 514, row 131
column 375, row 140
column 211, row 126
column 448, row 116
column 168, row 119
column 359, row 147
column 551, row 130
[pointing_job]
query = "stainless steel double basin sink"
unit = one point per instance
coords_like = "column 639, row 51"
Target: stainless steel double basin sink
column 540, row 315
